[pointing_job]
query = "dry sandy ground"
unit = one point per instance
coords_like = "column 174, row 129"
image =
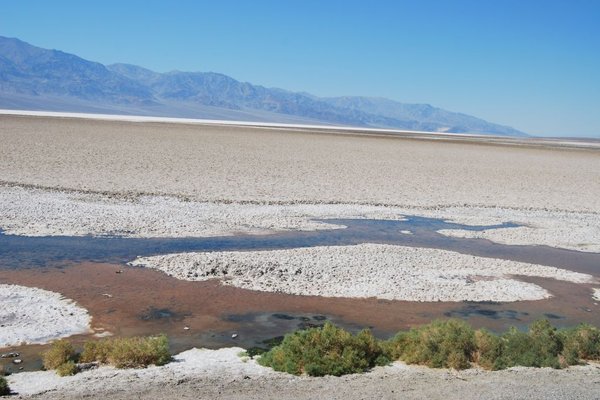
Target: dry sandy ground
column 222, row 374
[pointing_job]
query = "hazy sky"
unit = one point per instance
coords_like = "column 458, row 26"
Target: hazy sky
column 530, row 64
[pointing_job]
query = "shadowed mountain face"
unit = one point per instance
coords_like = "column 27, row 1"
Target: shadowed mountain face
column 35, row 78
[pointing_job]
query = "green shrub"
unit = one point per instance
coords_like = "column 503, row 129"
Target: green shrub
column 134, row 352
column 440, row 344
column 4, row 388
column 540, row 347
column 59, row 353
column 580, row 343
column 326, row 350
column 96, row 351
column 67, row 369
column 489, row 348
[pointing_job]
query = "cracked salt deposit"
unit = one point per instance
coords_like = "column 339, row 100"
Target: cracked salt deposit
column 568, row 230
column 32, row 315
column 366, row 270
column 36, row 212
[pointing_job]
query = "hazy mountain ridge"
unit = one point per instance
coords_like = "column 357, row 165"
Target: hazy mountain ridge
column 30, row 70
column 51, row 79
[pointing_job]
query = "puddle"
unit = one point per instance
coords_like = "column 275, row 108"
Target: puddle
column 153, row 314
column 480, row 310
column 18, row 251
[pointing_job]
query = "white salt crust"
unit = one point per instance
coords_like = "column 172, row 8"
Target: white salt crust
column 32, row 315
column 36, row 212
column 366, row 270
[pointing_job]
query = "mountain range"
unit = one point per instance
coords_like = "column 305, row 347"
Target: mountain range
column 33, row 78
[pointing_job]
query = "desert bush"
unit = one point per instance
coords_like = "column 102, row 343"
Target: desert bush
column 326, row 350
column 96, row 351
column 440, row 344
column 134, row 352
column 60, row 352
column 580, row 343
column 489, row 349
column 67, row 369
column 540, row 347
column 4, row 388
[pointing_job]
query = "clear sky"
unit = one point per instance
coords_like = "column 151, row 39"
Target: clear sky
column 530, row 64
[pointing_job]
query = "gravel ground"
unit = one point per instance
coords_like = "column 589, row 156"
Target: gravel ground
column 221, row 374
column 367, row 270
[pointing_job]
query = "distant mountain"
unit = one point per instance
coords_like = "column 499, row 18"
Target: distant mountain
column 26, row 69
column 35, row 78
column 424, row 115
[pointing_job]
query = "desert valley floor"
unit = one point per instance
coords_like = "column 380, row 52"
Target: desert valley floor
column 114, row 227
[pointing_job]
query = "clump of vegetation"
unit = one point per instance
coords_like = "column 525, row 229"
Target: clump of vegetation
column 134, row 352
column 59, row 353
column 489, row 348
column 440, row 344
column 540, row 347
column 326, row 350
column 580, row 343
column 96, row 351
column 67, row 369
column 4, row 388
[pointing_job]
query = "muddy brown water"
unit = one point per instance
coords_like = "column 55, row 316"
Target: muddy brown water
column 128, row 301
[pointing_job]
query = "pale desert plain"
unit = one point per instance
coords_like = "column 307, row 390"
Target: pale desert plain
column 88, row 177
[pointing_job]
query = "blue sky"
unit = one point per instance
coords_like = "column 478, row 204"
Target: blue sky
column 531, row 64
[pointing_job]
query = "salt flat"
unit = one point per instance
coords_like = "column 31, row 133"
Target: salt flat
column 271, row 165
column 77, row 176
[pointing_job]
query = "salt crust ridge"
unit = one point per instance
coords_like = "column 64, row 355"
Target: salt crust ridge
column 366, row 270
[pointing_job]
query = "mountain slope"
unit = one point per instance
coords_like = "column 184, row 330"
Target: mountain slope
column 32, row 77
column 425, row 113
column 31, row 70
